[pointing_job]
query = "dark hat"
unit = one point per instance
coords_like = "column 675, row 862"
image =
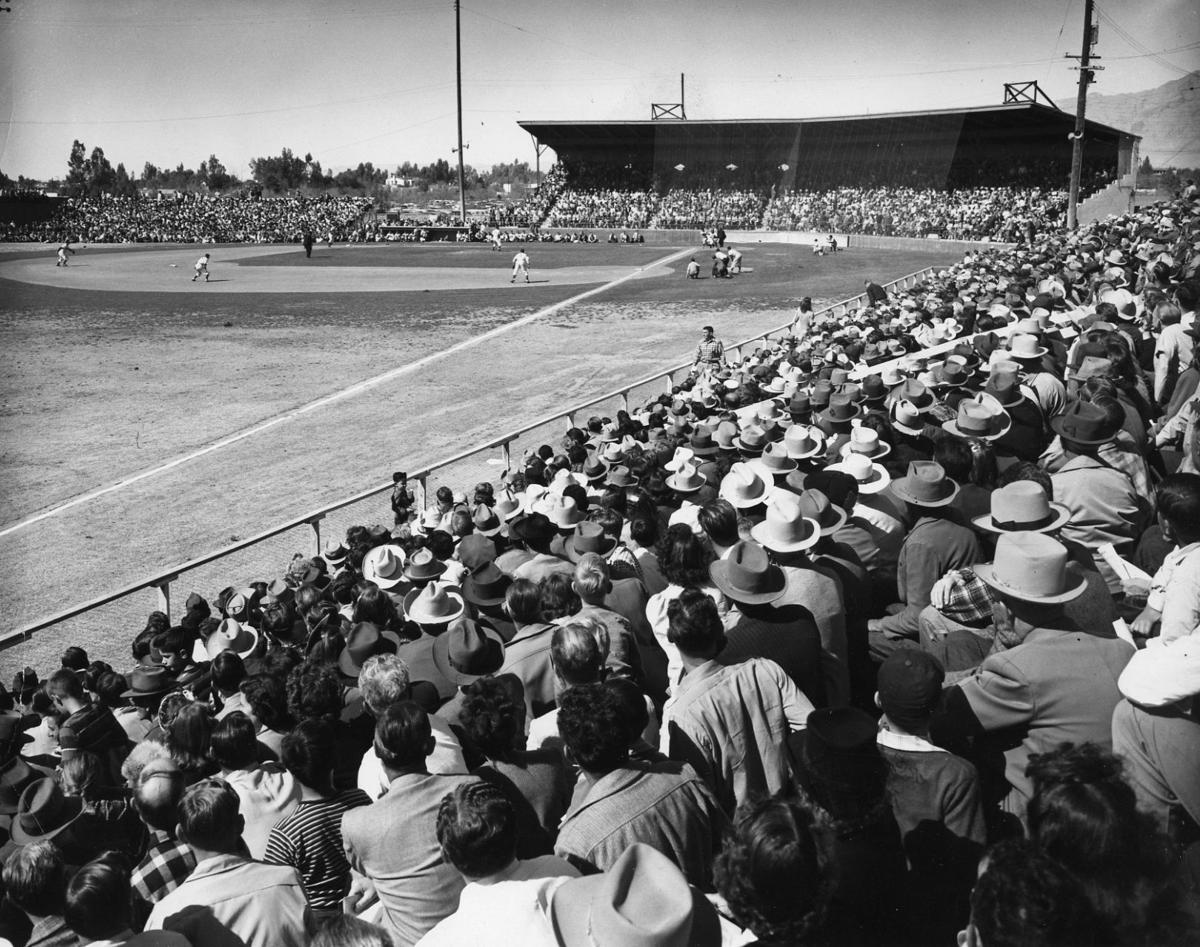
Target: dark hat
column 841, row 410
column 423, row 566
column 148, row 681
column 43, row 811
column 588, row 537
column 839, row 751
column 365, row 641
column 909, row 687
column 1004, row 388
column 799, row 405
column 467, row 651
column 487, row 523
column 621, row 476
column 873, row 389
column 486, row 586
column 747, row 575
column 1083, row 423
column 913, row 391
column 534, row 527
column 925, row 484
column 475, row 552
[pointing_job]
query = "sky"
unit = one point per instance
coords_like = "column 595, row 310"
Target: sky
column 168, row 81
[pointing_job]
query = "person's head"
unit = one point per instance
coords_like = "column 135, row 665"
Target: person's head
column 592, row 580
column 631, row 705
column 309, row 753
column 1026, row 470
column 683, row 557
column 75, row 658
column 158, row 792
column 909, row 689
column 98, row 898
column 190, row 733
column 954, row 454
column 493, row 716
column 774, row 872
column 403, row 737
column 346, row 930
column 558, row 598
column 522, row 602
column 1178, row 498
column 373, row 605
column 1024, row 898
column 694, row 625
column 314, row 691
column 65, row 689
column 267, row 699
column 35, row 879
column 209, row 818
column 643, row 530
column 228, row 672
column 577, row 654
column 707, row 332
column 109, row 688
column 477, row 830
column 234, row 742
column 82, row 774
column 383, row 681
column 1187, row 294
column 590, row 724
column 719, row 520
column 176, row 647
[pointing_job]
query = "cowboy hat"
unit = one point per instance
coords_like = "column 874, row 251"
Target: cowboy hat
column 865, row 440
column 1022, row 507
column 384, row 565
column 590, row 537
column 1032, row 567
column 985, row 420
column 433, row 605
column 365, row 641
column 786, row 529
column 562, row 511
column 870, row 476
column 815, row 506
column 508, row 505
column 774, row 462
column 231, row 635
column 744, row 487
column 467, row 651
column 801, row 442
column 423, row 566
column 486, row 586
column 746, row 574
column 925, row 484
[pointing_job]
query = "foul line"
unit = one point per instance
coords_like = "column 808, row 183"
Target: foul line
column 353, row 390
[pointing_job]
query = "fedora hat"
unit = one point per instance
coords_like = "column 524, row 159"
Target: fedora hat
column 643, row 900
column 1003, row 386
column 913, row 391
column 841, row 410
column 231, row 635
column 815, row 506
column 622, row 476
column 744, row 487
column 147, row 682
column 467, row 651
column 683, row 457
column 1022, row 507
column 786, row 528
column 925, row 484
column 365, row 641
column 1032, row 567
column 747, row 575
column 821, row 393
column 906, row 418
column 509, row 504
column 873, row 389
column 533, row 528
column 774, row 461
column 1116, row 257
column 612, row 454
column 752, row 440
column 1024, row 347
column 954, row 375
column 423, row 566
column 486, row 586
column 799, row 406
column 594, row 468
column 427, row 522
column 433, row 605
column 1083, row 423
column 562, row 511
column 334, row 553
column 687, row 480
column 589, row 537
column 384, row 565
column 870, row 476
column 487, row 523
column 893, row 375
column 701, row 443
column 978, row 418
column 865, row 440
column 475, row 551
column 43, row 811
column 768, row 411
column 801, row 442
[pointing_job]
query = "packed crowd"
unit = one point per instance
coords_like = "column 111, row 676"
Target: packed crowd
column 683, row 210
column 196, row 218
column 801, row 653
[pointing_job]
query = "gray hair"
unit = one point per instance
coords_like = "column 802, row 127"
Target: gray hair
column 384, row 680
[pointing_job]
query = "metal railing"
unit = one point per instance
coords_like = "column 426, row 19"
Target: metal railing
column 161, row 581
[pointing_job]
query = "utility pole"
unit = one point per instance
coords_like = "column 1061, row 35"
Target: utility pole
column 1086, row 77
column 462, row 190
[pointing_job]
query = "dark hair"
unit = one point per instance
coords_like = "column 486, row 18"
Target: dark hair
column 177, row 640
column 373, row 604
column 209, row 816
column 1187, row 294
column 1178, row 497
column 631, row 703
column 35, row 879
column 234, row 742
column 309, row 753
column 590, row 724
column 346, row 930
column 719, row 520
column 65, row 685
column 774, row 872
column 228, row 671
column 109, row 687
column 97, row 901
column 477, row 829
column 954, row 454
column 268, row 701
column 557, row 597
column 314, row 691
column 643, row 530
column 440, row 543
column 694, row 625
column 74, row 658
column 1026, row 470
column 683, row 557
column 492, row 719
column 403, row 735
column 523, row 601
column 609, row 520
column 1024, row 898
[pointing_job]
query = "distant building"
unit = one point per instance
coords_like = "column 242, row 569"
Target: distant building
column 394, row 180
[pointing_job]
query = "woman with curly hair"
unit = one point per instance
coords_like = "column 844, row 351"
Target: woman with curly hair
column 774, row 874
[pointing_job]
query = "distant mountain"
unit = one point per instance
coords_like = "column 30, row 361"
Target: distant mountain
column 1167, row 118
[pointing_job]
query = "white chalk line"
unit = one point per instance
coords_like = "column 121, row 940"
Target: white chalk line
column 329, row 399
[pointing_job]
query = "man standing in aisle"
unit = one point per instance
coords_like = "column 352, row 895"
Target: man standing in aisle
column 710, row 353
column 520, row 266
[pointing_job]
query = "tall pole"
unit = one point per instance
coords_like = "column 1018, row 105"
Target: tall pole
column 462, row 191
column 1085, row 78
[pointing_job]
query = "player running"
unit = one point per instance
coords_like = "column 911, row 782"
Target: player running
column 520, row 266
column 63, row 250
column 202, row 268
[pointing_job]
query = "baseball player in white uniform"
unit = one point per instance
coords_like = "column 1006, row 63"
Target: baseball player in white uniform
column 520, row 266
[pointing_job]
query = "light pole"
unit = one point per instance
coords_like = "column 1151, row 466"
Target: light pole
column 462, row 190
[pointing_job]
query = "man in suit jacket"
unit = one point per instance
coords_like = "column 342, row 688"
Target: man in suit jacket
column 393, row 842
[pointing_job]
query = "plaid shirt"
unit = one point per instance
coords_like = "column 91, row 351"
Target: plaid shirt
column 710, row 351
column 967, row 599
column 166, row 865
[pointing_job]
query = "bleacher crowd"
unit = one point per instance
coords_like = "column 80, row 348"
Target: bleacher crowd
column 883, row 632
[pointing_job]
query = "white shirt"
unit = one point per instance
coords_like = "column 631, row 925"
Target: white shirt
column 445, row 760
column 1163, row 673
column 1175, row 591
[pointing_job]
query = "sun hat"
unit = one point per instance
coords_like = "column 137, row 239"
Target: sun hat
column 925, row 484
column 744, row 487
column 231, row 635
column 643, row 900
column 43, row 811
column 1024, row 347
column 752, row 440
column 467, row 651
column 365, row 641
column 865, row 440
column 509, row 504
column 871, row 477
column 589, row 537
column 384, row 565
column 486, row 586
column 786, row 528
column 561, row 510
column 978, row 418
column 747, row 575
column 435, row 604
column 1083, row 423
column 815, row 506
column 801, row 442
column 1032, row 567
column 909, row 687
column 687, row 480
column 147, row 682
column 774, row 462
column 1022, row 506
column 423, row 566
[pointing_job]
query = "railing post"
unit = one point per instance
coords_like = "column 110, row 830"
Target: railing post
column 625, row 401
column 421, row 493
column 670, row 376
column 315, row 525
column 163, row 587
column 506, row 453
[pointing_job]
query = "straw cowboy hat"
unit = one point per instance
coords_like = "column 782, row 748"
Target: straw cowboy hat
column 980, row 418
column 925, row 484
column 870, row 476
column 231, row 635
column 384, row 565
column 786, row 528
column 801, row 442
column 1032, row 567
column 774, row 462
column 865, row 440
column 1023, row 507
column 433, row 605
column 687, row 480
column 365, row 641
column 467, row 651
column 748, row 576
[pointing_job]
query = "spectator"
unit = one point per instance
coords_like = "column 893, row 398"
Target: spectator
column 98, row 906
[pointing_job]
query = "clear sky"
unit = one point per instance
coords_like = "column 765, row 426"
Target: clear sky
column 169, row 81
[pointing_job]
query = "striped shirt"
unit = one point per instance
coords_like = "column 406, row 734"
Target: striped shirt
column 310, row 840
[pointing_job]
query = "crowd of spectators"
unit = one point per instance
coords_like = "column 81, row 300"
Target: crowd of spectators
column 694, row 210
column 883, row 632
column 197, row 218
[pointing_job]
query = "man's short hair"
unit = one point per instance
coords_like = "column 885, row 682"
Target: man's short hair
column 75, row 658
column 177, row 640
column 65, row 685
column 576, row 653
column 209, row 816
column 719, row 520
column 383, row 681
column 309, row 753
column 523, row 601
column 694, row 625
column 228, row 671
column 403, row 736
column 35, row 879
column 590, row 723
column 234, row 742
column 592, row 576
column 97, row 902
column 1179, row 503
column 477, row 829
column 160, row 789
